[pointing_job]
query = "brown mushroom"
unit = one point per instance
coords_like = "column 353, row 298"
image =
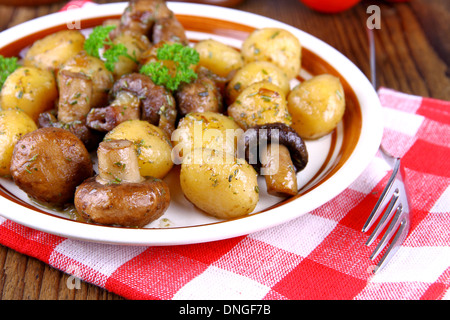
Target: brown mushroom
column 119, row 195
column 281, row 161
column 201, row 95
column 140, row 16
column 49, row 163
column 136, row 96
column 89, row 137
column 83, row 83
column 169, row 29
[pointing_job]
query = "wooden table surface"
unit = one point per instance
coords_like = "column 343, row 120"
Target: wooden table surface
column 413, row 56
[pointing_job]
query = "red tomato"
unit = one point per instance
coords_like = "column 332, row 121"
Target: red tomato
column 330, row 6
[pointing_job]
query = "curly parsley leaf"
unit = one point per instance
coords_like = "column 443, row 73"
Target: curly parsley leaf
column 7, row 66
column 183, row 57
column 99, row 39
column 113, row 53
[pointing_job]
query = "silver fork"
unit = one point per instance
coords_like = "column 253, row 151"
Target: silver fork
column 394, row 199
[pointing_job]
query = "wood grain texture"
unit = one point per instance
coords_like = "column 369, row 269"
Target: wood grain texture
column 413, row 56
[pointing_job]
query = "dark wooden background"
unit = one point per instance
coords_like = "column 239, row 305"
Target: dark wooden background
column 413, row 56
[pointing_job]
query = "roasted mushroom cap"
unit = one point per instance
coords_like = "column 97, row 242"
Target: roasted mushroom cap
column 49, row 163
column 201, row 95
column 156, row 104
column 282, row 153
column 266, row 134
column 122, row 204
column 119, row 195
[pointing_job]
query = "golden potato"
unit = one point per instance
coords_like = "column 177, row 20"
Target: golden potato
column 276, row 45
column 253, row 72
column 206, row 130
column 218, row 57
column 222, row 186
column 136, row 44
column 317, row 106
column 260, row 103
column 14, row 123
column 30, row 89
column 50, row 52
column 151, row 143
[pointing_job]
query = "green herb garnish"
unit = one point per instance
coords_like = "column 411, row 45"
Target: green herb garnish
column 7, row 66
column 98, row 39
column 182, row 56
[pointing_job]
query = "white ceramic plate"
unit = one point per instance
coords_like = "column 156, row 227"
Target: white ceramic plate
column 335, row 160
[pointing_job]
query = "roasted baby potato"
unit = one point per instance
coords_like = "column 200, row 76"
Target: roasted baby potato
column 206, row 130
column 49, row 163
column 276, row 45
column 260, row 103
column 221, row 186
column 253, row 72
column 30, row 89
column 317, row 105
column 218, row 57
column 151, row 143
column 136, row 45
column 52, row 51
column 14, row 123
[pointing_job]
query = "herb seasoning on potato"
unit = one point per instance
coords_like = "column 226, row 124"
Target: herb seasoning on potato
column 100, row 120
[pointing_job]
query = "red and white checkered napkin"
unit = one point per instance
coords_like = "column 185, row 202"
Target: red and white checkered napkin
column 320, row 255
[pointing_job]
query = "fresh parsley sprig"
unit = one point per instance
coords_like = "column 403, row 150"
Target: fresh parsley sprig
column 182, row 56
column 99, row 39
column 7, row 66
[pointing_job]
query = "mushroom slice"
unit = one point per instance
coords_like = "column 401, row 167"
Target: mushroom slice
column 119, row 195
column 283, row 154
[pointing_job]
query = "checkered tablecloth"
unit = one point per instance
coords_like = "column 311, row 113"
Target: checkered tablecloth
column 320, row 255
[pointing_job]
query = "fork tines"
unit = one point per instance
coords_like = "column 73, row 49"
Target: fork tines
column 394, row 197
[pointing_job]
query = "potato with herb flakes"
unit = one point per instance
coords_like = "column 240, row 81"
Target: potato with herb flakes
column 136, row 45
column 275, row 45
column 260, row 103
column 52, row 51
column 253, row 72
column 317, row 105
column 14, row 123
column 218, row 57
column 151, row 144
column 30, row 89
column 219, row 184
column 206, row 130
